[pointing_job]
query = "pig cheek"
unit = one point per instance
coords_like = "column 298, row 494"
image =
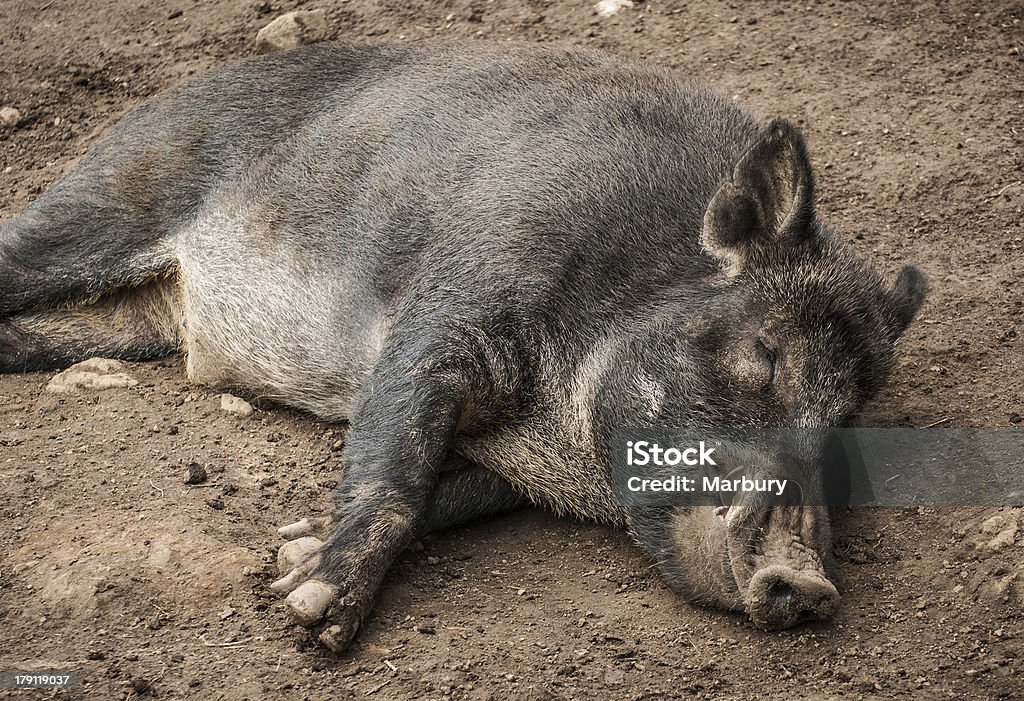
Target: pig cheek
column 699, row 555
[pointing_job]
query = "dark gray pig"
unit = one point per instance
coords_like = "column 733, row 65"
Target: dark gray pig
column 484, row 259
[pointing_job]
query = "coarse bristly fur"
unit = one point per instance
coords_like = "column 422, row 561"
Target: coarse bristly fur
column 486, row 259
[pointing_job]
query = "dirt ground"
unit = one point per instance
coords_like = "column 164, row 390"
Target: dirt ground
column 112, row 566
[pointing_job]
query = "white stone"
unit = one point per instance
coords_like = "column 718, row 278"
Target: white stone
column 292, row 29
column 9, row 116
column 994, row 524
column 93, row 374
column 235, row 405
column 1004, row 539
column 607, row 8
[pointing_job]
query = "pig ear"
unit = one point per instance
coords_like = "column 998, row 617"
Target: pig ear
column 770, row 196
column 906, row 297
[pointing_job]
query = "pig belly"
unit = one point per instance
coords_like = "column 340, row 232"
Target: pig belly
column 272, row 319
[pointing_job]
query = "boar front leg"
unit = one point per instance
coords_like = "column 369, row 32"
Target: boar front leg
column 402, row 430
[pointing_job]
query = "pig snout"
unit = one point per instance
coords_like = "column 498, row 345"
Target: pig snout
column 778, row 558
column 780, row 597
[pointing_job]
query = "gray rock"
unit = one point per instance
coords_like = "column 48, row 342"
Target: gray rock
column 1003, row 539
column 93, row 374
column 196, row 474
column 9, row 116
column 235, row 405
column 292, row 29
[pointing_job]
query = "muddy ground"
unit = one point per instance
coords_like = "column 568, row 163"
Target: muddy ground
column 113, row 567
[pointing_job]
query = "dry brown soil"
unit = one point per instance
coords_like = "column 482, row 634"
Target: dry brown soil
column 110, row 565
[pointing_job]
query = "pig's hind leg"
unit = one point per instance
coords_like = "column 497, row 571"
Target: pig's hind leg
column 465, row 492
column 135, row 323
column 67, row 248
column 88, row 268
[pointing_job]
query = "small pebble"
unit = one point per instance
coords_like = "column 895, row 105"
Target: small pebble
column 607, row 8
column 195, row 474
column 235, row 405
column 9, row 116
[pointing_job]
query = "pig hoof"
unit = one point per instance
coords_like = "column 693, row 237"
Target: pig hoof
column 308, row 603
column 311, row 601
column 289, row 582
column 296, row 552
column 295, row 530
column 295, row 560
column 303, row 527
column 336, row 637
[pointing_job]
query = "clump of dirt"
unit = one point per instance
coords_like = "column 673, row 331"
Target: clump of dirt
column 138, row 522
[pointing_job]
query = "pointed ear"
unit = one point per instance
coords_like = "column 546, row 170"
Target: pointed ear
column 906, row 297
column 770, row 196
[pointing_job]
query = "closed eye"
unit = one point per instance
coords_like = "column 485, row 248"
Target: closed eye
column 770, row 355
